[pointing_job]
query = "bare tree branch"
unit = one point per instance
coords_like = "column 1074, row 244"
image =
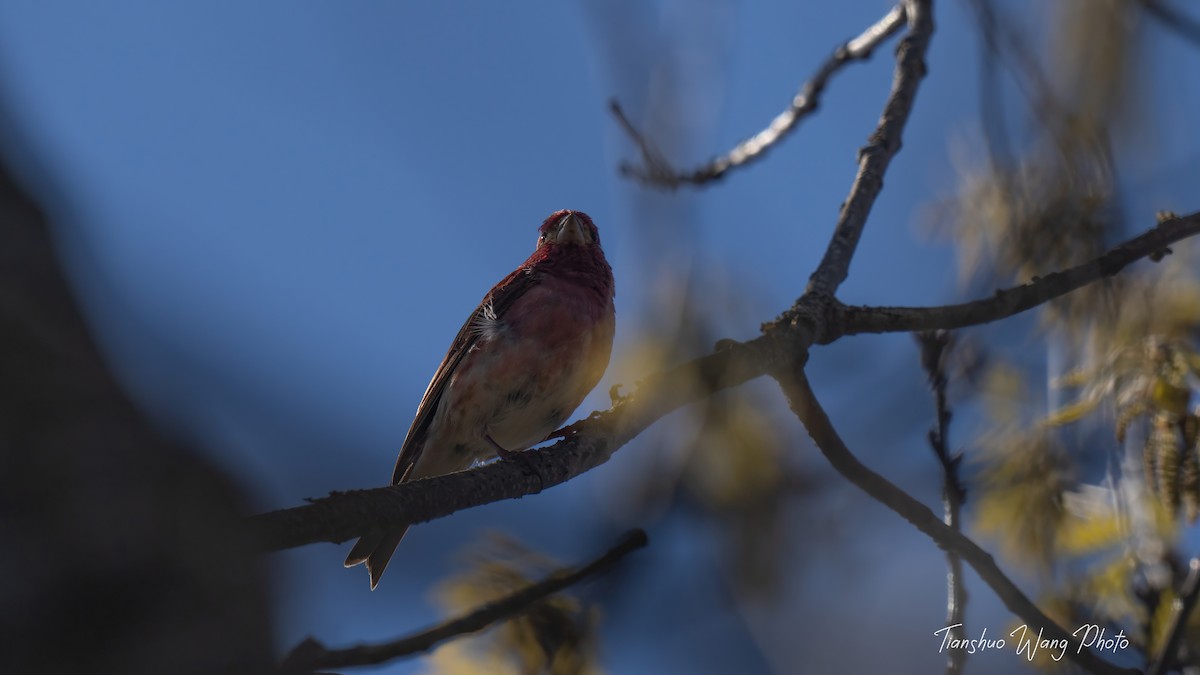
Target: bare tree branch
column 342, row 516
column 873, row 160
column 311, row 655
column 804, row 403
column 935, row 350
column 345, row 515
column 1180, row 611
column 656, row 170
column 812, row 320
column 816, row 318
column 1005, row 303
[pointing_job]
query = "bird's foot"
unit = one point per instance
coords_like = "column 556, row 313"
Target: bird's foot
column 501, row 452
column 523, row 458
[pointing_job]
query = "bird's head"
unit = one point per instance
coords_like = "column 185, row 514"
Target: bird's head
column 568, row 227
column 568, row 248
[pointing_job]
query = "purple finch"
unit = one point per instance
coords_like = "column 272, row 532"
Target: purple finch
column 522, row 362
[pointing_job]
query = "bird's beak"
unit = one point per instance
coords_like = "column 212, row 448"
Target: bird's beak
column 570, row 230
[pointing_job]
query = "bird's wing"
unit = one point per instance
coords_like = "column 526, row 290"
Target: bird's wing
column 494, row 306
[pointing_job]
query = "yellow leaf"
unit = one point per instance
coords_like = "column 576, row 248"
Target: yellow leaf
column 1079, row 535
column 1071, row 413
column 1169, row 397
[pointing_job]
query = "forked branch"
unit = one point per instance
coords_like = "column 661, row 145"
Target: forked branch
column 656, row 171
column 345, row 515
column 804, row 403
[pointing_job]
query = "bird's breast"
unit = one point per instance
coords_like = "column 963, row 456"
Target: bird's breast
column 532, row 367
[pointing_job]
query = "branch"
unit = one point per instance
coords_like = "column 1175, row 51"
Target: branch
column 877, row 155
column 935, row 349
column 345, row 515
column 311, row 655
column 658, row 172
column 1005, row 303
column 804, row 403
column 812, row 320
column 1180, row 611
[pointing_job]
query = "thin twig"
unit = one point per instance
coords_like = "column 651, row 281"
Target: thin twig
column 310, row 654
column 345, row 515
column 657, row 172
column 655, row 169
column 804, row 403
column 1006, row 43
column 991, row 101
column 935, row 350
column 1181, row 609
column 884, row 143
column 1153, row 243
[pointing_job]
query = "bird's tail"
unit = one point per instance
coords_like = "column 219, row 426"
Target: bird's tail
column 375, row 550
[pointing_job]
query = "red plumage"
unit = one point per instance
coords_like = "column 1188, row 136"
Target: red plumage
column 522, row 362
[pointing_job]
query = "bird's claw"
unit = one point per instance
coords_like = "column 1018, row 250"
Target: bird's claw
column 529, row 466
column 523, row 458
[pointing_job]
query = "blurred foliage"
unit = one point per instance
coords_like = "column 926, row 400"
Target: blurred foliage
column 1052, row 205
column 1141, row 371
column 1106, row 553
column 724, row 458
column 1042, row 214
column 1095, row 54
column 556, row 636
column 735, row 469
column 1046, row 199
column 1026, row 471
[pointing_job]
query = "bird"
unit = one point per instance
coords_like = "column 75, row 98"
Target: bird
column 521, row 363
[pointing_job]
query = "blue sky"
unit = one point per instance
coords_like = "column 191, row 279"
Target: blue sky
column 279, row 214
